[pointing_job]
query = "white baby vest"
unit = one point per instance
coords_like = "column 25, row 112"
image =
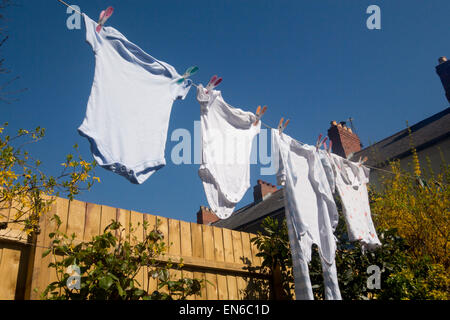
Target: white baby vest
column 351, row 183
column 227, row 137
column 129, row 107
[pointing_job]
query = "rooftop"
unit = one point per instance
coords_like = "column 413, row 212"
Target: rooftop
column 424, row 134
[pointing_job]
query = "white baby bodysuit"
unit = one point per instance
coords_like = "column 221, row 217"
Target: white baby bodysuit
column 351, row 183
column 227, row 137
column 128, row 112
column 311, row 214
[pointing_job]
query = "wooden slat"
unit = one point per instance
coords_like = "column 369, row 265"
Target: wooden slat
column 76, row 219
column 228, row 245
column 229, row 257
column 150, row 283
column 256, row 259
column 174, row 237
column 62, row 210
column 137, row 220
column 186, row 243
column 92, row 221
column 208, row 242
column 232, row 288
column 222, row 286
column 237, row 246
column 197, row 240
column 219, row 251
column 241, row 286
column 239, row 258
column 108, row 215
column 9, row 271
column 164, row 228
column 211, row 286
column 123, row 217
column 246, row 248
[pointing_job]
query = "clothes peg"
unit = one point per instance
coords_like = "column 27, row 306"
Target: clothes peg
column 259, row 114
column 104, row 16
column 361, row 162
column 214, row 82
column 319, row 143
column 189, row 72
column 329, row 147
column 281, row 127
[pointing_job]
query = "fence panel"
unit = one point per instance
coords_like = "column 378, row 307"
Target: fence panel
column 219, row 256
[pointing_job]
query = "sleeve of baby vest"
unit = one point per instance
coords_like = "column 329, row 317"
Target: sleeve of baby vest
column 92, row 36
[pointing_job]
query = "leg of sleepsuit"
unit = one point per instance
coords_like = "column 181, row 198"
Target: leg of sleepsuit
column 330, row 281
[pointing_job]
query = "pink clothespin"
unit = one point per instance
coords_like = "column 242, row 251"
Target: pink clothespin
column 281, row 127
column 214, row 82
column 259, row 114
column 104, row 16
column 319, row 143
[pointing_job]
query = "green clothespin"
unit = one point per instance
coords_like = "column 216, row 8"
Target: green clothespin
column 189, row 72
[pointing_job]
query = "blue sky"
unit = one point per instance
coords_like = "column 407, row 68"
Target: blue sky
column 309, row 61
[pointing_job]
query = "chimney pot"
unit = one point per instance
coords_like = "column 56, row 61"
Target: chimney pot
column 344, row 140
column 262, row 190
column 206, row 216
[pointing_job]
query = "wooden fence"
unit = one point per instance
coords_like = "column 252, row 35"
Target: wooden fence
column 220, row 256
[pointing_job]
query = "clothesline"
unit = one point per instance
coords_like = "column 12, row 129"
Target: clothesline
column 264, row 124
column 69, row 6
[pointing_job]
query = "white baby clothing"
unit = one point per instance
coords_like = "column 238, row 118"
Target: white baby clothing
column 329, row 169
column 351, row 183
column 227, row 137
column 311, row 214
column 129, row 107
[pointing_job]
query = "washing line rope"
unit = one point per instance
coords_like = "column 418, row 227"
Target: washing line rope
column 264, row 124
column 69, row 6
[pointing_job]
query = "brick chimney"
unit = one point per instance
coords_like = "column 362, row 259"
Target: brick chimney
column 206, row 216
column 345, row 141
column 443, row 70
column 262, row 190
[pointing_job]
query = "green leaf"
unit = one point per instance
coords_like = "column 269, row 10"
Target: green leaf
column 46, row 253
column 106, row 282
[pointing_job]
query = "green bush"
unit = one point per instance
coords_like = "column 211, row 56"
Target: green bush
column 108, row 266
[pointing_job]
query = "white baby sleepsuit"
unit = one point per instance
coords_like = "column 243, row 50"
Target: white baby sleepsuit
column 311, row 214
column 129, row 107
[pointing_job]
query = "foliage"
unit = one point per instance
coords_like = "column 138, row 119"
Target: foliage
column 273, row 247
column 25, row 190
column 419, row 209
column 401, row 277
column 109, row 264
